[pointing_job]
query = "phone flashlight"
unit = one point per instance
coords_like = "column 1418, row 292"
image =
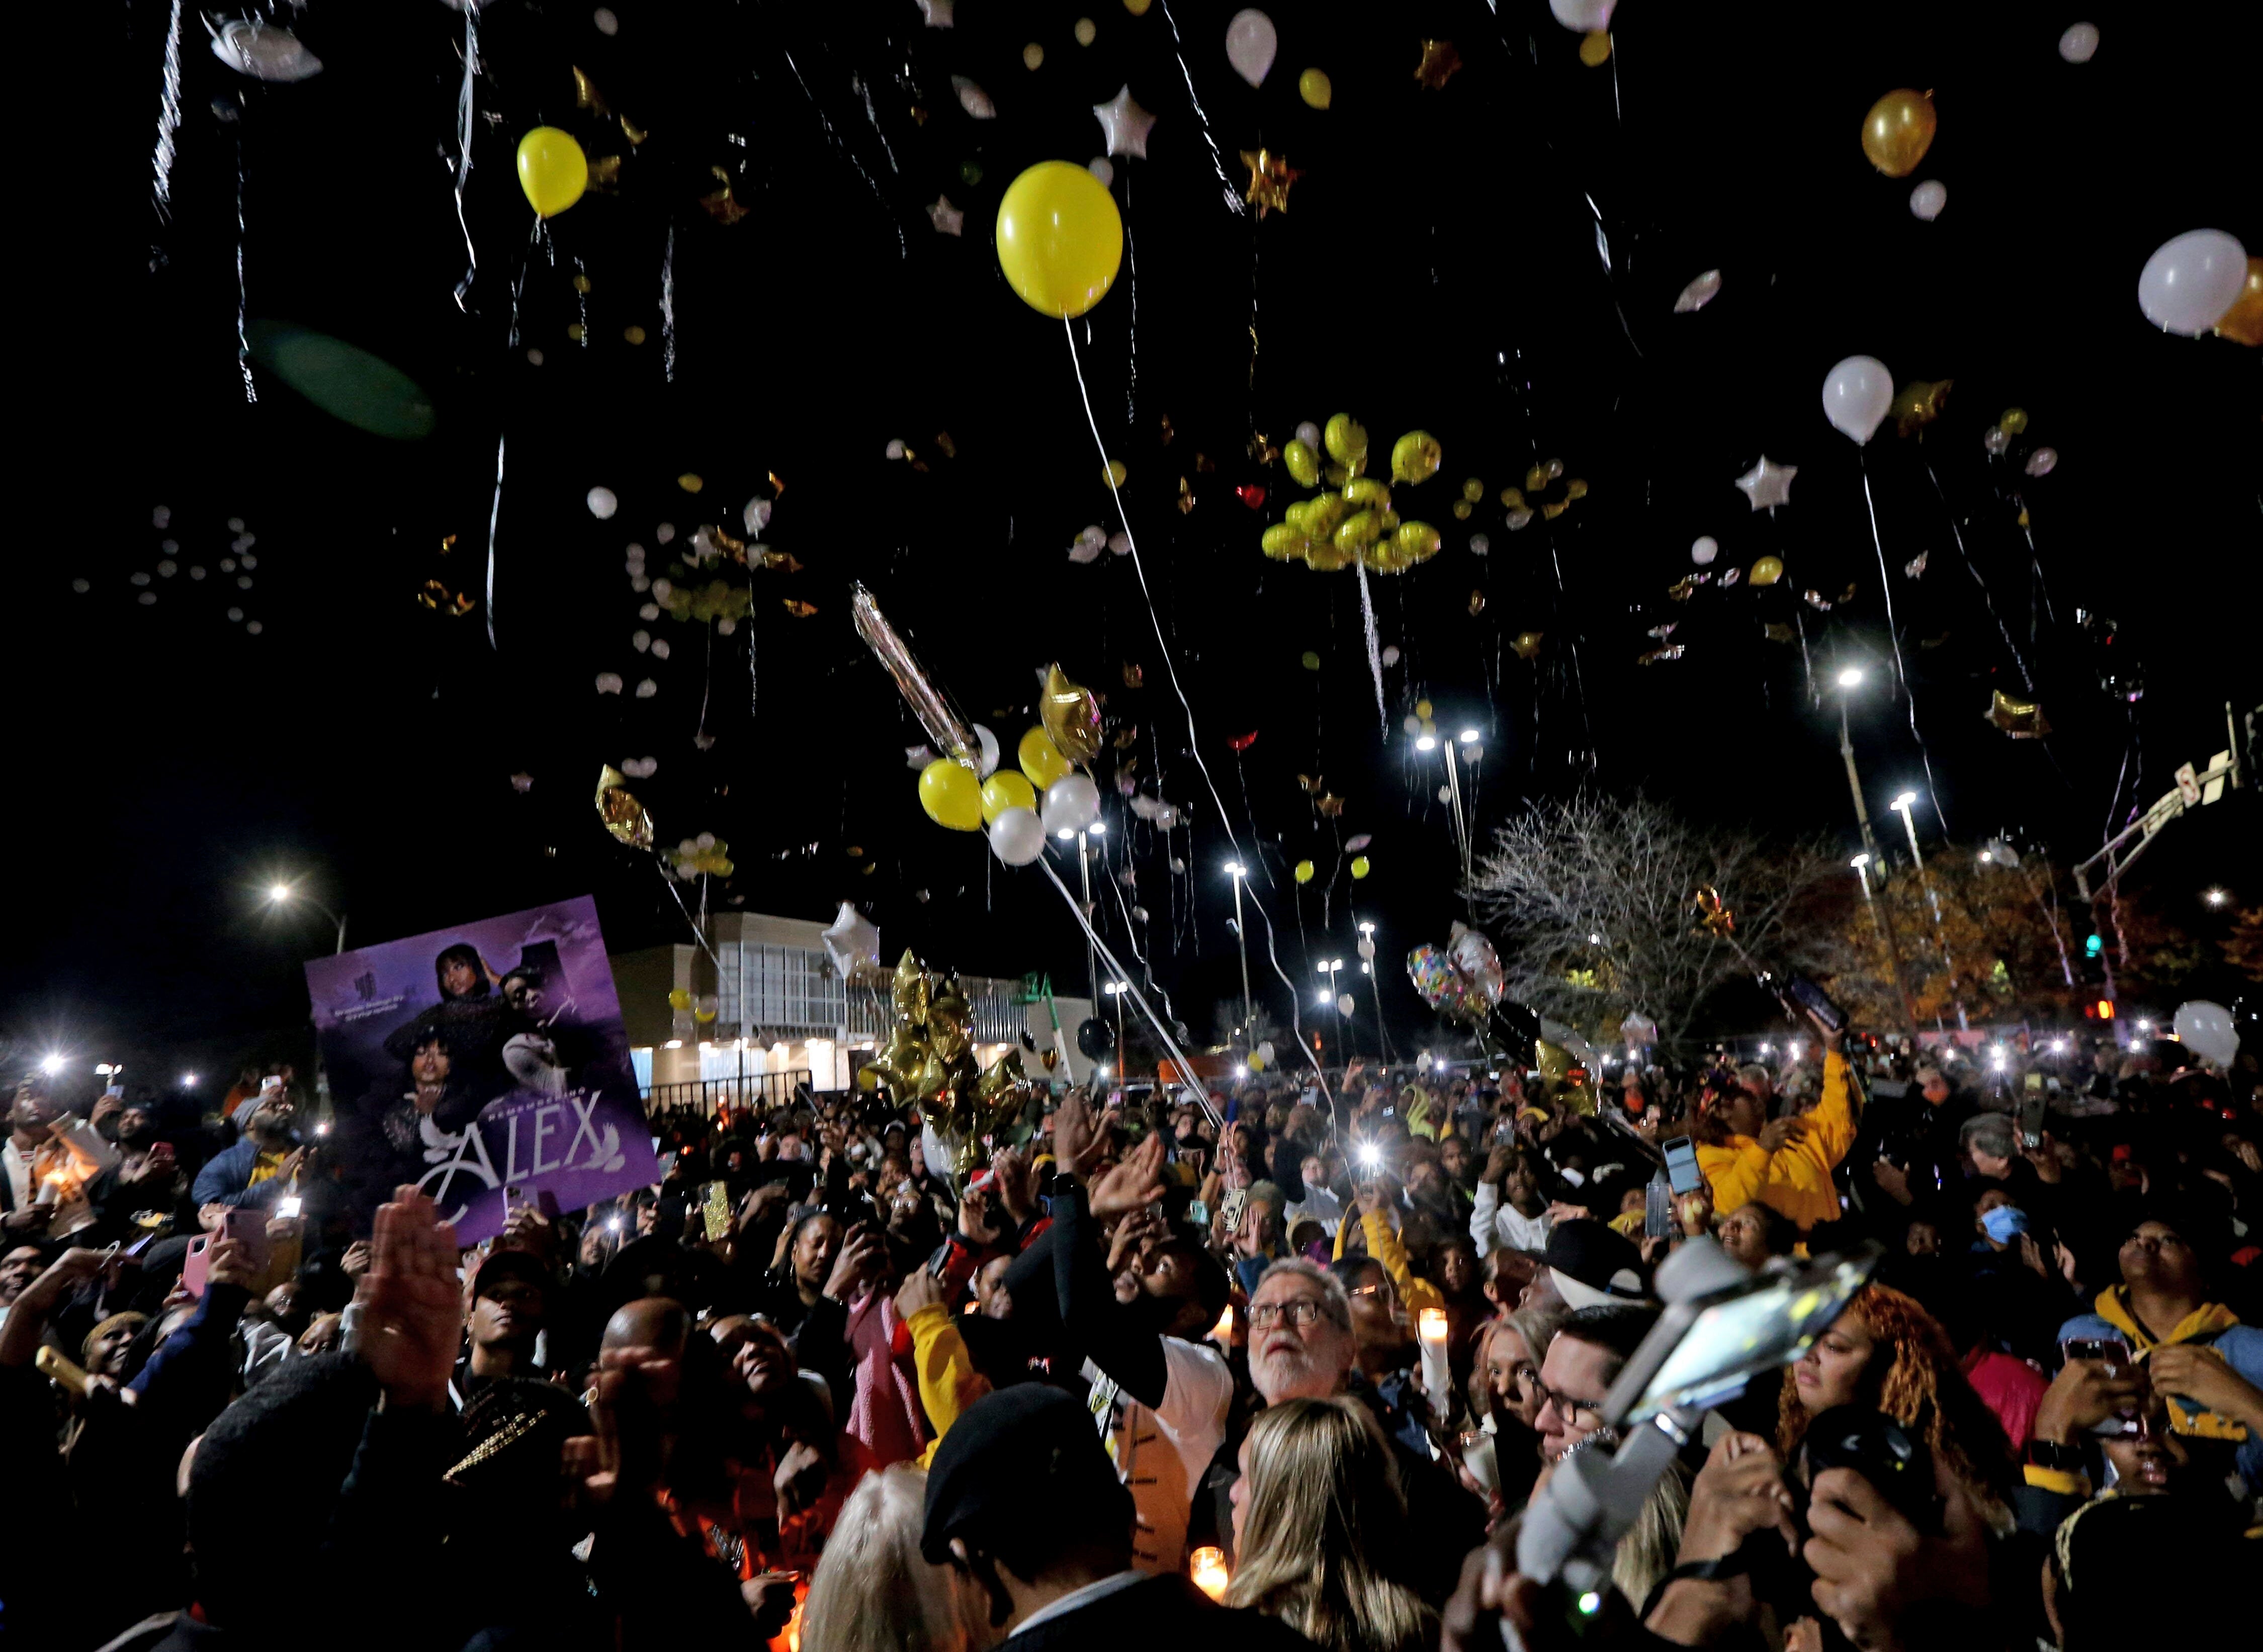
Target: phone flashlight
column 287, row 1206
column 613, row 1224
column 1370, row 1155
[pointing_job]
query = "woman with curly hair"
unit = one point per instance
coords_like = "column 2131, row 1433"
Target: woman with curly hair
column 1319, row 1531
column 1887, row 1353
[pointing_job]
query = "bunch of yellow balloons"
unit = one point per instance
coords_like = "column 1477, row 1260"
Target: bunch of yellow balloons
column 1060, row 238
column 1354, row 522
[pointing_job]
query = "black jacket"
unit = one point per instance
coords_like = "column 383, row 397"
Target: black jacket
column 1164, row 1610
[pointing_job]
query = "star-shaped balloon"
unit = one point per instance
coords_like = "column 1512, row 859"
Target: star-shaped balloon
column 947, row 219
column 1439, row 60
column 2021, row 718
column 1125, row 123
column 1270, row 177
column 1767, row 484
column 937, row 13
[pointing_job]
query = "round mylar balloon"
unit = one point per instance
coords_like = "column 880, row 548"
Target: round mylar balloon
column 552, row 170
column 1767, row 571
column 1899, row 130
column 1060, row 238
column 1002, row 792
column 1041, row 759
column 951, row 796
column 1018, row 837
column 1071, row 804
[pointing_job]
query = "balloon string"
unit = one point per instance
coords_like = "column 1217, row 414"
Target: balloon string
column 903, row 248
column 169, row 118
column 494, row 517
column 1893, row 633
column 465, row 102
column 1117, row 972
column 243, row 337
column 1139, row 568
column 698, row 934
column 1987, row 595
column 668, row 308
column 1374, row 645
column 1233, row 201
column 1296, row 1019
column 1131, row 938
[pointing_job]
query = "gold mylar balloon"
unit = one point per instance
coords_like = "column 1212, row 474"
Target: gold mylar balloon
column 2243, row 323
column 1527, row 644
column 1767, row 571
column 1595, row 48
column 908, row 991
column 1284, row 542
column 1414, row 457
column 1899, row 130
column 1919, row 403
column 1304, row 464
column 1315, row 87
column 2021, row 718
column 617, row 808
column 2014, row 421
column 1363, row 493
column 1071, row 716
column 1358, row 531
column 1416, row 542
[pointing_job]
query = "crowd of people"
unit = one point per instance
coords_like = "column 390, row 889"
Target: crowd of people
column 1285, row 1368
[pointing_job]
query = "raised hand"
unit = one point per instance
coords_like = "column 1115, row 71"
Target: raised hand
column 412, row 1314
column 1074, row 1130
column 1134, row 1183
column 863, row 1255
column 1779, row 1133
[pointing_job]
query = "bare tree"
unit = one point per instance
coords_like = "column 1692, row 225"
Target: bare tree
column 1589, row 902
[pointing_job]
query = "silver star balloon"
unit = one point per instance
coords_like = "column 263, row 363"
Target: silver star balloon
column 948, row 219
column 1767, row 484
column 1125, row 123
column 937, row 13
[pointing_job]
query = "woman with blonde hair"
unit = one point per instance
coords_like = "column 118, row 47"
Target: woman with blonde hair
column 1320, row 1530
column 872, row 1591
column 1887, row 1354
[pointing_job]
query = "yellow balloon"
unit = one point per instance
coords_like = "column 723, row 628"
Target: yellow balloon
column 1283, row 542
column 951, row 796
column 1041, row 759
column 1060, row 238
column 1899, row 130
column 1346, row 441
column 1006, row 790
column 552, row 170
column 1767, row 571
column 1304, row 464
column 1417, row 541
column 1359, row 866
column 1414, row 457
column 1359, row 530
column 1527, row 644
column 1595, row 48
column 2014, row 421
column 1361, row 492
column 1322, row 515
column 1423, row 709
column 2243, row 323
column 1116, row 474
column 1304, row 871
column 1137, row 8
column 1315, row 87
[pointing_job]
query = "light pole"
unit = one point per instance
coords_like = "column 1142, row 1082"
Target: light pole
column 1849, row 680
column 1235, row 870
column 283, row 894
column 1115, row 989
column 1904, row 805
column 1098, row 828
column 1328, row 968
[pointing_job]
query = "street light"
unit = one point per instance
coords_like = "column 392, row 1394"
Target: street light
column 1430, row 743
column 51, row 1065
column 2219, row 897
column 1904, row 804
column 1850, row 678
column 1116, row 990
column 188, row 1081
column 283, row 894
column 1427, row 743
column 1235, row 870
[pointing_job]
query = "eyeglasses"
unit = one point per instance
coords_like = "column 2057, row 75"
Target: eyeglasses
column 1297, row 1310
column 1565, row 1405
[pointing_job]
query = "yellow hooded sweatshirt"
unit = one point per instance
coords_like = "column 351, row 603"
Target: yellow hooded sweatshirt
column 1795, row 1179
column 2207, row 1321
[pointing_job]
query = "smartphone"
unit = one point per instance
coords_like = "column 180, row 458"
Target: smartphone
column 1817, row 1002
column 1656, row 1209
column 1703, row 1351
column 716, row 1212
column 250, row 1227
column 2117, row 1358
column 290, row 1207
column 2031, row 1114
column 115, row 1090
column 197, row 1264
column 1199, row 1213
column 1682, row 1170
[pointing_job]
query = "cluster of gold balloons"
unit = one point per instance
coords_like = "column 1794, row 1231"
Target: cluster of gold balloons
column 1355, row 522
column 930, row 1061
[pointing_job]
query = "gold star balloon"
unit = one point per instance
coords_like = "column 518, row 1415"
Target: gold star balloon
column 623, row 816
column 2021, row 718
column 1270, row 177
column 1071, row 716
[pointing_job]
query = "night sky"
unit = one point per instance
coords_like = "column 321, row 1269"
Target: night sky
column 1440, row 263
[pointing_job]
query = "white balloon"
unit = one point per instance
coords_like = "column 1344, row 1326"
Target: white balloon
column 262, row 51
column 1018, row 837
column 1071, row 804
column 1265, row 1050
column 2079, row 43
column 2206, row 1031
column 1856, row 394
column 1583, row 16
column 988, row 741
column 1309, row 433
column 603, row 503
column 852, row 941
column 1703, row 549
column 1928, row 198
column 1250, row 44
column 2187, row 286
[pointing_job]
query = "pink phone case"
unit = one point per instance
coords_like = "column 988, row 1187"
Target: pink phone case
column 195, row 1265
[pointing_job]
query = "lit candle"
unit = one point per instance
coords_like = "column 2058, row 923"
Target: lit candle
column 1431, row 1325
column 1223, row 1331
column 1208, row 1567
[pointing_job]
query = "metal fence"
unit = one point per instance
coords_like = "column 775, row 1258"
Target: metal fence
column 772, row 992
column 708, row 1096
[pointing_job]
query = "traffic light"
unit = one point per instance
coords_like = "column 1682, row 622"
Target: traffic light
column 2093, row 946
column 2105, row 1009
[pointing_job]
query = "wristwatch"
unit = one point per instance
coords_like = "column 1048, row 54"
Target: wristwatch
column 2045, row 1453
